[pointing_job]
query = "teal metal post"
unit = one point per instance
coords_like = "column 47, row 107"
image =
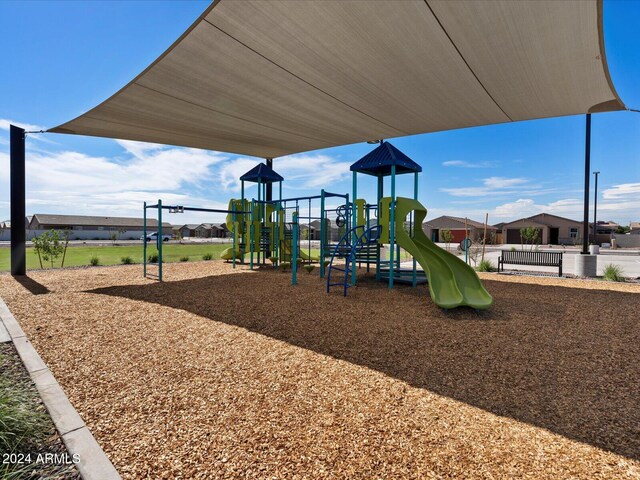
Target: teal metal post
column 259, row 220
column 294, row 250
column 354, row 236
column 251, row 232
column 379, row 248
column 160, row 239
column 414, row 226
column 322, row 233
column 367, row 225
column 233, row 233
column 144, row 241
column 392, row 224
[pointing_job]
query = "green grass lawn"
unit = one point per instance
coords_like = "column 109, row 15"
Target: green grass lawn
column 112, row 255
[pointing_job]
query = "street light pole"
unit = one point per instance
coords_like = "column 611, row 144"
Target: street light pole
column 595, row 208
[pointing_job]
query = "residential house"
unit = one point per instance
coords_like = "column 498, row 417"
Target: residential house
column 333, row 231
column 203, row 230
column 456, row 225
column 634, row 228
column 552, row 230
column 5, row 231
column 82, row 227
column 188, row 230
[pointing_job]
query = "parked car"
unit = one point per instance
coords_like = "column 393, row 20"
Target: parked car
column 154, row 237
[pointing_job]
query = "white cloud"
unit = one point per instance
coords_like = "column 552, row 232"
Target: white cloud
column 4, row 125
column 523, row 207
column 465, row 164
column 303, row 171
column 621, row 191
column 72, row 182
column 493, row 186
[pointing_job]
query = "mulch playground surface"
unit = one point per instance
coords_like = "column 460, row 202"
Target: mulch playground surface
column 218, row 373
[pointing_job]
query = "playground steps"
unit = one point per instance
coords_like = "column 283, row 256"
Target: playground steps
column 348, row 250
column 404, row 276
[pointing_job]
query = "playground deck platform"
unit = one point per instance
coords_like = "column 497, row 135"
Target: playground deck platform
column 218, row 373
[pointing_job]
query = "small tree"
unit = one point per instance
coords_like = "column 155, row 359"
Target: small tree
column 66, row 234
column 530, row 235
column 114, row 237
column 304, row 233
column 48, row 246
column 446, row 236
column 475, row 251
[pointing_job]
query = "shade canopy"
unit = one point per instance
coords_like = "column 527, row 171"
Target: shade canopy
column 274, row 78
column 379, row 161
column 261, row 173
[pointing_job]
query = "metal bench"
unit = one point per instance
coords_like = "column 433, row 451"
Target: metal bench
column 538, row 259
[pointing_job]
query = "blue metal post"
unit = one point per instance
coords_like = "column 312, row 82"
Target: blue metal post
column 392, row 224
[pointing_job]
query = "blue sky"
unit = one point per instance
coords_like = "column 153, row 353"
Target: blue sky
column 62, row 58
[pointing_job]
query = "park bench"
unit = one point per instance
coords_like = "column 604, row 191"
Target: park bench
column 539, row 259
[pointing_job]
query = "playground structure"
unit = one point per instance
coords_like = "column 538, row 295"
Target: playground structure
column 270, row 230
column 264, row 230
column 159, row 207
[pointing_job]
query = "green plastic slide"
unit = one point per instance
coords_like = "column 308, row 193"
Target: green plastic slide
column 227, row 254
column 452, row 283
column 303, row 255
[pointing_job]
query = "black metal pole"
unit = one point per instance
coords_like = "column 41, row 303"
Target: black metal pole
column 17, row 198
column 595, row 208
column 587, row 175
column 269, row 163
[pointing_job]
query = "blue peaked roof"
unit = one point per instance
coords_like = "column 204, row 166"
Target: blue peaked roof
column 261, row 173
column 378, row 162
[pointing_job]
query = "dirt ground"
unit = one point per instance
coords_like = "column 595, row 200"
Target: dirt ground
column 235, row 374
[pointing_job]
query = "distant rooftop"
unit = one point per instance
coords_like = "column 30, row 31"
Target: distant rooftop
column 91, row 221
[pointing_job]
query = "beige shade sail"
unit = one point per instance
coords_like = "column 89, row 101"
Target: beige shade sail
column 271, row 78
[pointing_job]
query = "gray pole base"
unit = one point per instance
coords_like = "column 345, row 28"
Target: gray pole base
column 586, row 265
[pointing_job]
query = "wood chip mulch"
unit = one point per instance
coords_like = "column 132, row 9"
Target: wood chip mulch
column 235, row 374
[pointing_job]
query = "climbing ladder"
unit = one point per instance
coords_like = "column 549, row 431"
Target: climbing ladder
column 350, row 250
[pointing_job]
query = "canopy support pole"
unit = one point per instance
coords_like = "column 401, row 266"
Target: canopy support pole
column 269, row 195
column 18, row 202
column 587, row 175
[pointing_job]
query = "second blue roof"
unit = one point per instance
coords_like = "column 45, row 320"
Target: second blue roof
column 379, row 161
column 261, row 173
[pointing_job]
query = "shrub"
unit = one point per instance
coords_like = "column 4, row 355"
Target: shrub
column 326, row 263
column 613, row 273
column 22, row 423
column 513, row 249
column 126, row 260
column 284, row 266
column 273, row 260
column 309, row 268
column 184, row 259
column 152, row 258
column 486, row 266
column 207, row 256
column 94, row 261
